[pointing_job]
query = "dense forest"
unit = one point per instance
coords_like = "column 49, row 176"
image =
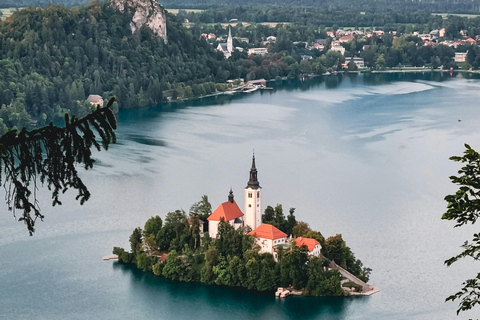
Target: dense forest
column 53, row 58
column 233, row 260
column 450, row 6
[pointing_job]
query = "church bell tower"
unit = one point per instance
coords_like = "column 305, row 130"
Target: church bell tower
column 229, row 40
column 253, row 199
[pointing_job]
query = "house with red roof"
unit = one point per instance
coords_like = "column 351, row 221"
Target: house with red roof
column 313, row 245
column 268, row 237
column 470, row 41
column 229, row 212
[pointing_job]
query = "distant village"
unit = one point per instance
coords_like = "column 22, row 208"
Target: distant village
column 337, row 38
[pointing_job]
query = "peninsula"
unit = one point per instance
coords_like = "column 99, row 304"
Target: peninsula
column 260, row 252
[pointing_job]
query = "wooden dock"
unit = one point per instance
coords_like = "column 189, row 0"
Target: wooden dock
column 112, row 257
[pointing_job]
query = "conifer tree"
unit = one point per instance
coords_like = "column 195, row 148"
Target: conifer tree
column 48, row 156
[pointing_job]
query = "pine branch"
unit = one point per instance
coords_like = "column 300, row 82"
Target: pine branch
column 50, row 155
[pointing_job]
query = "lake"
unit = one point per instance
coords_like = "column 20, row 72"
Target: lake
column 361, row 155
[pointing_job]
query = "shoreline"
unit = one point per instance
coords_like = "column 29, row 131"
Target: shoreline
column 390, row 71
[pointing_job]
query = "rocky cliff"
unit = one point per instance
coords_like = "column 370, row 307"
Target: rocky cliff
column 147, row 12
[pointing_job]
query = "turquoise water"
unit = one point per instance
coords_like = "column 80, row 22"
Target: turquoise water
column 365, row 156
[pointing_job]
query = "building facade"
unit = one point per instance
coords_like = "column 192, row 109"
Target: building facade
column 253, row 199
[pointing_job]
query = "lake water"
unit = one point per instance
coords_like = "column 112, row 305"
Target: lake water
column 364, row 156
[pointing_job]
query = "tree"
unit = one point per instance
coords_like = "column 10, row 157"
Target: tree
column 203, row 209
column 380, row 63
column 136, row 241
column 352, row 66
column 464, row 207
column 300, row 229
column 152, row 226
column 49, row 155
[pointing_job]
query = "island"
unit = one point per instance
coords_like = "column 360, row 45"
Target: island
column 259, row 252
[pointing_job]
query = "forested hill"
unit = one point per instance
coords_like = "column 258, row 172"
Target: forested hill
column 450, row 6
column 53, row 58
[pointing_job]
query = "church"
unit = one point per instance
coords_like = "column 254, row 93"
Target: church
column 266, row 235
column 227, row 47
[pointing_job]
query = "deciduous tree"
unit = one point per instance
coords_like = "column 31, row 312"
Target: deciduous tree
column 464, row 208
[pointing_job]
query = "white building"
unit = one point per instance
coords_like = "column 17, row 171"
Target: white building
column 339, row 49
column 359, row 62
column 95, row 100
column 268, row 237
column 259, row 51
column 253, row 199
column 227, row 47
column 313, row 245
column 460, row 57
column 229, row 212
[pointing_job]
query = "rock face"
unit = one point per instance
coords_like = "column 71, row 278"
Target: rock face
column 147, row 12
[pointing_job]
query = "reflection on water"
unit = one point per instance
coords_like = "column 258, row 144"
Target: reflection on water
column 362, row 155
column 231, row 303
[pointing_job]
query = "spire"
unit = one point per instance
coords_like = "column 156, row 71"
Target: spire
column 230, row 196
column 229, row 40
column 253, row 182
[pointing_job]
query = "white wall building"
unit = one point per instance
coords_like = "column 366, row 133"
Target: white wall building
column 229, row 211
column 314, row 247
column 259, row 51
column 268, row 237
column 253, row 199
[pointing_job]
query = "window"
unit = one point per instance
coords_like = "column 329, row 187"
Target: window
column 258, row 194
column 258, row 205
column 249, row 205
column 249, row 194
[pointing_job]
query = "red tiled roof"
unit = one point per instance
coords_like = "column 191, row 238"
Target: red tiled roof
column 227, row 210
column 267, row 231
column 162, row 258
column 310, row 243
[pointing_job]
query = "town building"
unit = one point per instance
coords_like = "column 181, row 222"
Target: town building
column 345, row 39
column 460, row 57
column 95, row 100
column 259, row 51
column 227, row 47
column 313, row 245
column 268, row 238
column 339, row 49
column 359, row 62
column 229, row 212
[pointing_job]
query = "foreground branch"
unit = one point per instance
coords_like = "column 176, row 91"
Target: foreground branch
column 50, row 155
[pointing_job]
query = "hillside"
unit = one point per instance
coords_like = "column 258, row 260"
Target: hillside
column 54, row 58
column 450, row 6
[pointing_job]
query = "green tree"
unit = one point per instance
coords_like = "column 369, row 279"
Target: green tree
column 300, row 229
column 152, row 226
column 380, row 62
column 136, row 241
column 464, row 207
column 203, row 209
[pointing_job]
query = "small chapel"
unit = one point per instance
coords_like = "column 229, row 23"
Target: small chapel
column 266, row 235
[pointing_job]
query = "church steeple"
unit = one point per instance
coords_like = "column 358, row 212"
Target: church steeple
column 230, row 196
column 253, row 182
column 253, row 199
column 229, row 40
